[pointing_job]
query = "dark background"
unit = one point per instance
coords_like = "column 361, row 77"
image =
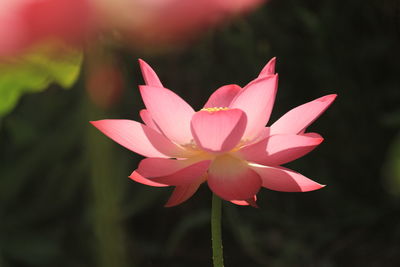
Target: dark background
column 65, row 199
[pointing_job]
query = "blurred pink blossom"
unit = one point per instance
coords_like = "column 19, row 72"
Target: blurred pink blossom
column 171, row 21
column 225, row 144
column 25, row 23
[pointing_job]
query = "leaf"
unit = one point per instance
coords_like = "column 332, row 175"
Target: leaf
column 35, row 70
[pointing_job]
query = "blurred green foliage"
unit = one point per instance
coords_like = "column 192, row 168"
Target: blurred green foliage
column 65, row 199
column 35, row 70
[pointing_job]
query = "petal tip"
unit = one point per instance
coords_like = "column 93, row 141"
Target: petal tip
column 314, row 187
column 170, row 205
column 142, row 63
column 272, row 61
column 136, row 177
column 328, row 98
column 269, row 68
column 95, row 123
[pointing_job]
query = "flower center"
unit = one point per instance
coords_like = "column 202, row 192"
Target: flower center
column 190, row 146
column 214, row 109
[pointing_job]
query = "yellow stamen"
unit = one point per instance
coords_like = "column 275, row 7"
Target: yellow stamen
column 214, row 109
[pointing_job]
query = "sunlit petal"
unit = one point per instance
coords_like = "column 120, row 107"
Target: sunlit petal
column 139, row 138
column 149, row 75
column 284, row 180
column 223, row 96
column 257, row 100
column 268, row 69
column 183, row 192
column 280, row 149
column 297, row 119
column 249, row 202
column 140, row 179
column 148, row 120
column 174, row 174
column 231, row 179
column 170, row 112
column 218, row 131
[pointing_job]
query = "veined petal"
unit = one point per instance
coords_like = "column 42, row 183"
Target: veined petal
column 262, row 135
column 184, row 176
column 223, row 96
column 268, row 69
column 314, row 135
column 140, row 179
column 182, row 193
column 218, row 131
column 157, row 167
column 148, row 120
column 249, row 202
column 170, row 112
column 280, row 149
column 139, row 138
column 149, row 75
column 231, row 179
column 297, row 119
column 284, row 180
column 257, row 100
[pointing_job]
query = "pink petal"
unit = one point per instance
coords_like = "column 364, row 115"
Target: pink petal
column 257, row 100
column 262, row 135
column 183, row 176
column 249, row 202
column 149, row 75
column 139, row 138
column 170, row 112
column 148, row 120
column 157, row 167
column 140, row 179
column 284, row 180
column 314, row 135
column 183, row 192
column 231, row 179
column 218, row 131
column 297, row 119
column 223, row 96
column 280, row 149
column 286, row 148
column 269, row 69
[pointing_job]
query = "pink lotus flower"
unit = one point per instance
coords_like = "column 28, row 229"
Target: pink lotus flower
column 225, row 144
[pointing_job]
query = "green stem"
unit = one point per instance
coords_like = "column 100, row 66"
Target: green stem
column 107, row 196
column 218, row 258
